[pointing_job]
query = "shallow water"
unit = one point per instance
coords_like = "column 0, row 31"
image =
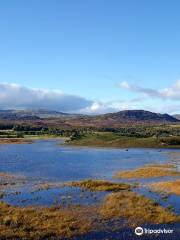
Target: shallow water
column 49, row 161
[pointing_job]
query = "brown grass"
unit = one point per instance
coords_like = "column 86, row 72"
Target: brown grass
column 44, row 223
column 136, row 209
column 168, row 187
column 99, row 185
column 149, row 171
column 14, row 140
column 89, row 184
column 59, row 223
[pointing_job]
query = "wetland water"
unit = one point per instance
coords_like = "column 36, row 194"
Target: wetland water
column 48, row 161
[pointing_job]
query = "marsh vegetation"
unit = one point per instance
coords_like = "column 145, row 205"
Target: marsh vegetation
column 60, row 222
column 170, row 187
column 150, row 171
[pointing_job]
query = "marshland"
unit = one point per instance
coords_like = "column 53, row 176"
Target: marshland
column 52, row 190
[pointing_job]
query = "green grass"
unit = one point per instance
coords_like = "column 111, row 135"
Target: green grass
column 114, row 140
column 43, row 136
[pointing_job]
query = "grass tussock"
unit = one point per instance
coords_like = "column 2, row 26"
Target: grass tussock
column 44, row 223
column 149, row 171
column 167, row 187
column 89, row 184
column 100, row 185
column 136, row 209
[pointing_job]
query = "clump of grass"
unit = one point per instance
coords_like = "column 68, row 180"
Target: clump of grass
column 136, row 209
column 89, row 184
column 99, row 185
column 44, row 223
column 149, row 171
column 171, row 187
column 47, row 186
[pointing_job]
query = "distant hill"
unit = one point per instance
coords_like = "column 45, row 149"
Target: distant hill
column 31, row 114
column 177, row 116
column 16, row 115
column 122, row 118
column 141, row 115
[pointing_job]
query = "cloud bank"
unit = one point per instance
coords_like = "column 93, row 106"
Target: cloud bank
column 13, row 96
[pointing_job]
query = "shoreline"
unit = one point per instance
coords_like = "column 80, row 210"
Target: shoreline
column 121, row 147
column 15, row 141
column 32, row 139
column 29, row 139
column 115, row 141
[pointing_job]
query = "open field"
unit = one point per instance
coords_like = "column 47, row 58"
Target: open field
column 114, row 140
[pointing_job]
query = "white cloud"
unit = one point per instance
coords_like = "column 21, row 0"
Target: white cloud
column 107, row 107
column 171, row 93
column 16, row 96
column 13, row 96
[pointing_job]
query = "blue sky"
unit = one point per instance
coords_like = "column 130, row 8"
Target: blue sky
column 106, row 55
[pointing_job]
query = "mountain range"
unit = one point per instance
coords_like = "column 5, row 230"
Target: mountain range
column 117, row 119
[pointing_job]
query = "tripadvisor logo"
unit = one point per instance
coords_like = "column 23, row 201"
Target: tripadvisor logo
column 140, row 231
